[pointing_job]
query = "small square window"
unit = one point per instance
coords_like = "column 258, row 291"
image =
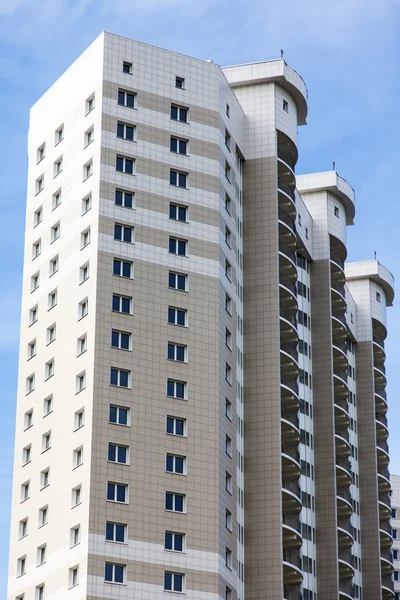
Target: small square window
column 53, row 266
column 89, row 105
column 52, row 299
column 47, row 406
column 40, row 153
column 285, row 105
column 87, row 170
column 84, row 273
column 179, row 113
column 85, row 238
column 86, row 204
column 228, row 204
column 59, row 135
column 126, row 131
column 23, row 528
column 39, row 592
column 127, row 67
column 32, row 349
column 28, row 419
column 39, row 184
column 228, row 140
column 228, row 172
column 26, row 455
column 38, row 216
column 125, row 199
column 228, row 304
column 55, row 232
column 75, row 538
column 228, row 110
column 21, row 566
column 46, row 441
column 378, row 297
column 119, row 415
column 43, row 516
column 125, row 164
column 51, row 333
column 79, row 419
column 30, row 384
column 82, row 345
column 50, row 366
column 76, row 496
column 25, row 490
column 116, row 532
column 80, row 382
column 58, row 167
column 127, row 99
column 36, row 249
column 228, row 409
column 83, row 308
column 56, row 199
column 44, row 478
column 89, row 136
column 180, row 82
column 73, row 577
column 336, row 211
column 78, row 457
column 35, row 281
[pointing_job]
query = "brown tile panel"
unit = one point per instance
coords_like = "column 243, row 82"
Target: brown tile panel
column 367, row 463
column 324, row 432
column 263, row 499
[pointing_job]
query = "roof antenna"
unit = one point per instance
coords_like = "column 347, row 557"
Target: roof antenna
column 281, row 53
column 374, row 254
column 334, row 166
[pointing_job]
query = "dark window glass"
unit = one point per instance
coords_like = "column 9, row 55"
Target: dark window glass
column 169, row 463
column 183, row 114
column 111, row 452
column 171, row 351
column 126, row 269
column 116, row 303
column 114, row 377
column 128, row 200
column 120, row 130
column 178, row 464
column 122, row 454
column 180, row 353
column 172, row 211
column 126, row 305
column 128, row 166
column 113, row 414
column 121, row 493
column 130, row 100
column 181, row 247
column 180, row 390
column 181, row 282
column 170, row 425
column 171, row 315
column 169, row 501
column 129, row 132
column 174, row 113
column 123, row 416
column 182, row 180
column 108, row 572
column 119, row 573
column 178, row 582
column 179, row 426
column 126, row 67
column 168, row 541
column 172, row 280
column 110, row 491
column 118, row 197
column 120, row 164
column 117, row 232
column 173, row 177
column 178, row 545
column 395, row 554
column 172, row 245
column 110, row 531
column 127, row 234
column 168, row 581
column 181, row 213
column 178, row 503
column 125, row 341
column 116, row 267
column 115, row 339
column 170, row 388
column 123, row 379
column 173, row 145
column 121, row 98
column 119, row 533
column 180, row 317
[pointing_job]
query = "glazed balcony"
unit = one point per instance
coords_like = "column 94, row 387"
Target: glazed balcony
column 292, row 567
column 343, row 471
column 286, row 191
column 381, row 422
column 383, row 479
column 338, row 296
column 287, row 258
column 339, row 354
column 380, row 376
column 287, row 223
column 344, row 502
column 291, row 494
column 386, row 561
column 289, row 282
column 289, row 358
column 385, row 510
column 380, row 400
column 346, row 564
column 339, row 326
column 290, row 459
column 387, row 588
column 337, row 269
column 342, row 418
column 341, row 389
column 290, row 426
column 346, row 590
column 292, row 593
column 385, row 533
column 383, row 452
column 291, row 531
column 289, row 392
column 342, row 443
column 345, row 533
column 378, row 348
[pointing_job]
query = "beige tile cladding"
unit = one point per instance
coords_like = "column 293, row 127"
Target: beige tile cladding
column 159, row 170
column 263, row 498
column 205, row 451
column 162, row 137
column 155, row 237
column 369, row 496
column 162, row 104
column 324, row 432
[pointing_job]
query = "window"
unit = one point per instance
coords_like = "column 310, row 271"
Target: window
column 49, row 370
column 43, row 516
column 125, row 165
column 79, row 419
column 127, row 67
column 35, row 282
column 228, row 204
column 75, row 536
column 178, row 179
column 116, row 532
column 26, row 455
column 228, row 482
column 395, row 554
column 86, row 204
column 174, row 502
column 120, row 377
column 37, row 216
column 28, row 419
column 40, row 153
column 123, row 233
column 118, row 454
column 228, row 338
column 228, row 237
column 228, row 172
column 114, row 573
column 176, row 389
column 80, row 382
column 46, row 441
column 55, row 232
column 47, row 406
column 41, row 555
column 394, row 513
column 90, row 104
column 126, row 132
column 21, row 566
column 121, row 340
column 89, row 136
column 51, row 334
column 122, row 268
column 228, row 558
column 76, row 496
column 228, row 140
column 180, row 82
column 44, row 478
column 378, row 297
column 39, row 592
column 53, row 266
column 73, row 577
column 174, row 541
column 228, row 593
column 82, row 345
column 87, row 170
column 395, row 575
column 336, row 211
column 285, row 105
column 228, row 304
column 30, row 384
column 177, row 246
column 173, row 582
column 124, row 199
column 78, row 457
column 58, row 167
column 119, row 415
column 23, row 528
column 228, row 409
column 179, row 113
column 39, row 184
column 84, row 273
column 228, row 445
column 127, row 99
column 394, row 534
column 36, row 249
column 25, row 491
column 177, row 352
column 85, row 238
column 59, row 136
column 117, row 492
column 178, row 212
column 122, row 304
column 228, row 110
column 31, row 349
column 83, row 308
column 176, row 426
column 177, row 281
column 228, row 373
column 228, row 520
column 178, row 145
column 228, row 270
column 177, row 316
column 56, row 199
column 175, row 464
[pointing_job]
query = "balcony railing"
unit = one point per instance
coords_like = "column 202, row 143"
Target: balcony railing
column 287, row 158
column 381, row 418
column 291, row 593
column 387, row 582
column 381, row 392
column 340, row 316
column 343, row 433
column 339, row 344
column 347, row 588
column 338, row 259
column 344, row 492
column 347, row 556
column 285, row 187
column 287, row 251
column 378, row 340
column 346, row 525
column 293, row 557
column 387, row 554
column 287, row 219
column 385, row 526
column 338, row 287
column 292, row 521
column 290, row 382
column 342, row 373
column 291, row 416
column 288, row 282
column 291, row 450
column 383, row 445
column 384, row 471
column 343, row 461
column 290, row 349
column 380, row 367
column 385, row 499
column 289, row 315
column 291, row 485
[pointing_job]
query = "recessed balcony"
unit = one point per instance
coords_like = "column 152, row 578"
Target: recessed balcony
column 292, row 593
column 385, row 533
column 338, row 295
column 339, row 326
column 346, row 564
column 383, row 453
column 385, row 510
column 380, row 376
column 290, row 426
column 290, row 460
column 341, row 389
column 344, row 502
column 342, row 442
column 342, row 418
column 383, row 479
column 287, row 222
column 386, row 561
column 287, row 259
column 337, row 268
column 291, row 494
column 339, row 355
column 346, row 590
column 380, row 400
column 286, row 189
column 379, row 348
column 345, row 533
column 291, row 532
column 289, row 282
column 381, row 422
column 343, row 471
column 289, row 358
column 292, row 567
column 387, row 587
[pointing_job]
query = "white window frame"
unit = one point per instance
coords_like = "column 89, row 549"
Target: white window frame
column 83, row 309
column 86, row 204
column 56, row 199
column 43, row 515
column 80, row 382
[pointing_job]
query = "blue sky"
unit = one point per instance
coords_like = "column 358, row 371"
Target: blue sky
column 348, row 52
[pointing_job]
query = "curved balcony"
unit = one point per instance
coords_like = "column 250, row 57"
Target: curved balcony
column 385, row 533
column 287, row 189
column 345, row 533
column 292, row 593
column 342, row 418
column 338, row 295
column 379, row 348
column 381, row 422
column 287, row 260
column 338, row 255
column 380, row 375
column 290, row 425
column 346, row 564
column 287, row 154
column 290, row 459
column 380, row 400
column 291, row 494
column 386, row 561
column 344, row 502
column 387, row 588
column 337, row 269
column 383, row 479
column 385, row 509
column 287, row 223
column 289, row 357
column 341, row 389
column 291, row 532
column 292, row 568
column 343, row 471
column 342, row 443
column 289, row 392
column 339, row 355
column 288, row 282
column 383, row 452
column 346, row 590
column 339, row 325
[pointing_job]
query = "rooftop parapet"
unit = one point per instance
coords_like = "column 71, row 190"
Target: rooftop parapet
column 372, row 269
column 329, row 181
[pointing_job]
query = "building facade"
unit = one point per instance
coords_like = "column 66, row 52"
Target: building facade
column 201, row 404
column 395, row 522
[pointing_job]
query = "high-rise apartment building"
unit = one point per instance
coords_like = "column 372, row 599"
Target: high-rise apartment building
column 201, row 405
column 395, row 523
